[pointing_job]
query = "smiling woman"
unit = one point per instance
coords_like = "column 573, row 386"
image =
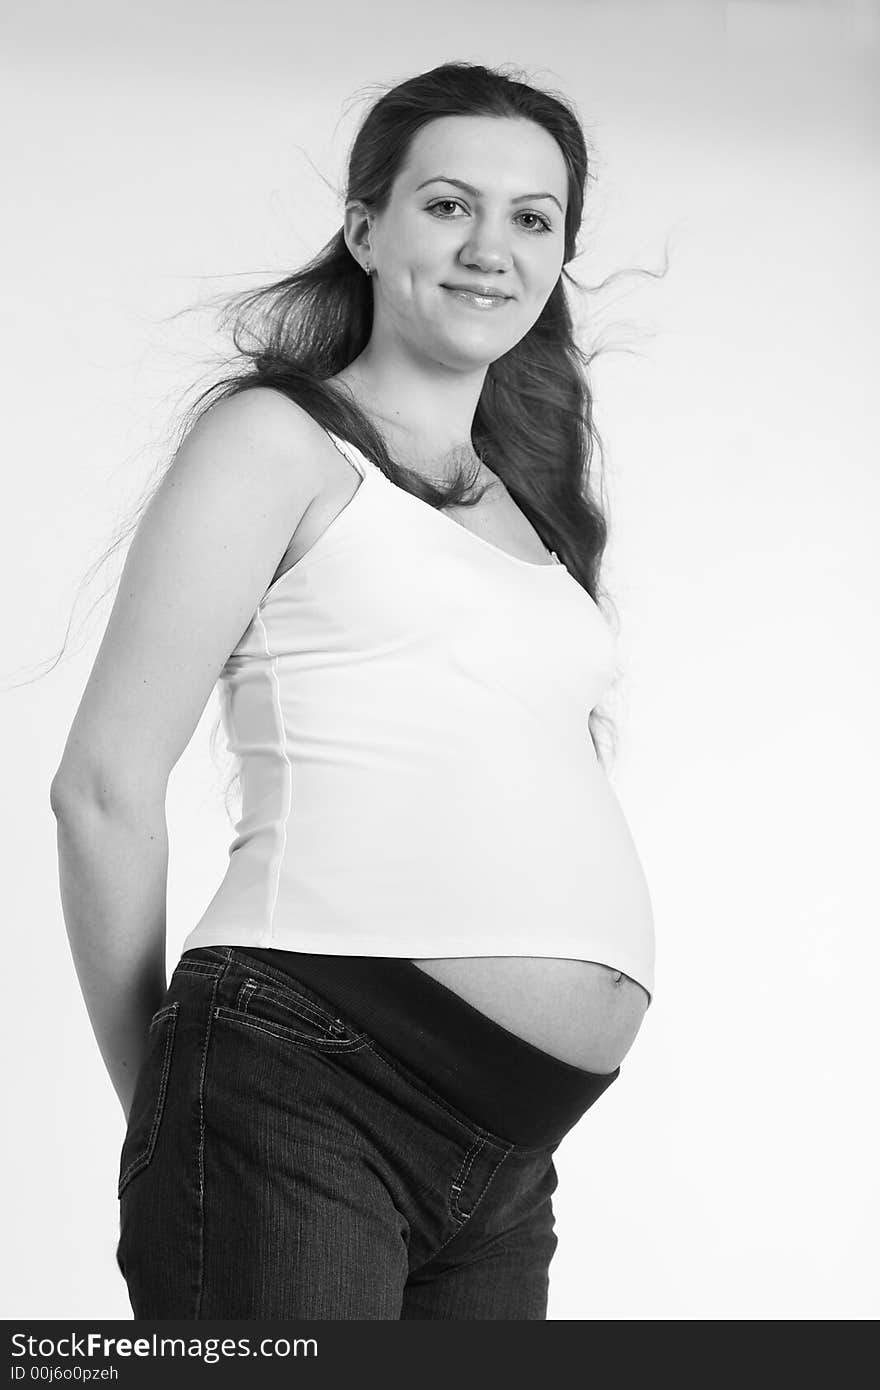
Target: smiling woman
column 484, row 253
column 433, row 944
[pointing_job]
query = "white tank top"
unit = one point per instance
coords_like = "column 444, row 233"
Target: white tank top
column 409, row 709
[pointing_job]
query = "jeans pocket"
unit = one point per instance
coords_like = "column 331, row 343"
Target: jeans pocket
column 298, row 1016
column 148, row 1102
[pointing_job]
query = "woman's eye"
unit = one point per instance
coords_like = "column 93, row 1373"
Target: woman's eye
column 447, row 202
column 543, row 224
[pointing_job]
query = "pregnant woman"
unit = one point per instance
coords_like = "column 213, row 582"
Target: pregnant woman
column 433, row 945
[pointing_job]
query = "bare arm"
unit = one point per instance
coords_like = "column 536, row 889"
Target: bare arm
column 202, row 557
column 113, row 867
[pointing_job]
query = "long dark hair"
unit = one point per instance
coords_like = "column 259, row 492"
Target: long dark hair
column 533, row 424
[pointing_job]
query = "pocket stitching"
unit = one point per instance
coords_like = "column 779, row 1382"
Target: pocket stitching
column 469, row 1214
column 199, row 967
column 290, row 1000
column 162, row 1013
column 254, row 969
column 461, row 1178
column 169, row 1011
column 352, row 1043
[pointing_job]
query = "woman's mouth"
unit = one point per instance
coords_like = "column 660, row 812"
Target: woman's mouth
column 478, row 301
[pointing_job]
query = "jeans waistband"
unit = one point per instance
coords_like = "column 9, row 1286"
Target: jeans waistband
column 502, row 1082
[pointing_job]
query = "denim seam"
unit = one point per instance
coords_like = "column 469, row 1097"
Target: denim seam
column 486, row 1187
column 281, row 982
column 285, row 1034
column 201, row 1151
column 144, row 1157
column 461, row 1178
column 290, row 998
column 198, row 967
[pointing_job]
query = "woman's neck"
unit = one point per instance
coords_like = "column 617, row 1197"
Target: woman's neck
column 436, row 458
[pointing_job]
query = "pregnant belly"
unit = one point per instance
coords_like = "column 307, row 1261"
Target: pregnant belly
column 577, row 1010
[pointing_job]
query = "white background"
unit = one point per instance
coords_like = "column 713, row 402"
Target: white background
column 155, row 155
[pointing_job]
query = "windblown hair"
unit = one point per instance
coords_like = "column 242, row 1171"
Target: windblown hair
column 533, row 424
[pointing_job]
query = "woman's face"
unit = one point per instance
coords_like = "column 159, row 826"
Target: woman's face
column 505, row 233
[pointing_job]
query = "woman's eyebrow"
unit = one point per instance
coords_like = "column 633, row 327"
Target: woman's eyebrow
column 475, row 192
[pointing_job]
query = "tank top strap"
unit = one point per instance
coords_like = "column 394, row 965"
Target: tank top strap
column 355, row 456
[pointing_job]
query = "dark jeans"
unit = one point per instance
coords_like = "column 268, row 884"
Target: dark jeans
column 283, row 1161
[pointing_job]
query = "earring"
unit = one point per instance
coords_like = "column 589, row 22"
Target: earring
column 368, row 269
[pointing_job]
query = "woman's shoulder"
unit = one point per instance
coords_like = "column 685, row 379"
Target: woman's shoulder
column 272, row 430
column 265, row 409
